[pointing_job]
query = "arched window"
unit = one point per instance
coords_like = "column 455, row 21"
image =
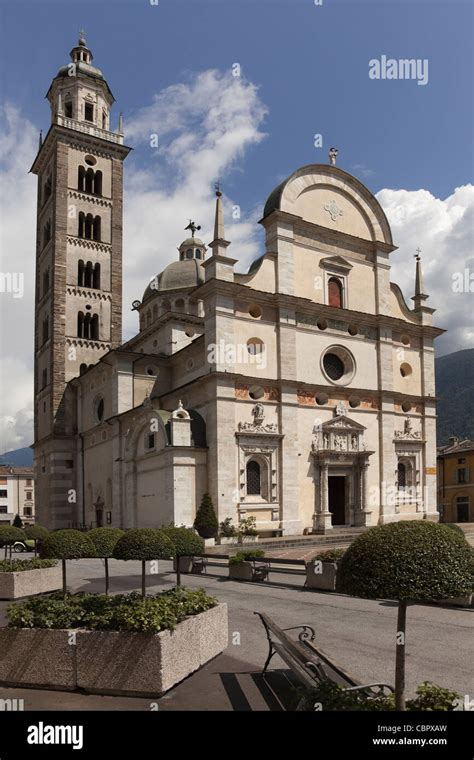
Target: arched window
column 462, row 509
column 82, row 369
column 98, row 183
column 253, row 478
column 48, row 188
column 45, row 281
column 402, row 476
column 94, row 331
column 45, row 329
column 88, row 223
column 80, row 272
column 96, row 231
column 87, row 326
column 335, row 292
column 96, row 277
column 80, row 324
column 89, row 183
column 81, row 178
column 81, row 229
column 189, row 253
column 88, row 275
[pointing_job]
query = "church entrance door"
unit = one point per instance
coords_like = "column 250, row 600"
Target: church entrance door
column 337, row 499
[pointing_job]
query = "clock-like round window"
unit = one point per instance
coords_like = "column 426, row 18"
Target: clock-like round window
column 99, row 409
column 338, row 365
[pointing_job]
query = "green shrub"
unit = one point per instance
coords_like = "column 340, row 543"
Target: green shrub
column 36, row 532
column 66, row 544
column 246, row 556
column 124, row 612
column 226, row 528
column 17, row 522
column 409, row 561
column 184, row 540
column 332, row 698
column 248, row 527
column 144, row 544
column 9, row 534
column 18, row 565
column 415, row 561
column 206, row 521
column 104, row 540
column 329, row 555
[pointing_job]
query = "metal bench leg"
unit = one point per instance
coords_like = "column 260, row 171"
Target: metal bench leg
column 270, row 655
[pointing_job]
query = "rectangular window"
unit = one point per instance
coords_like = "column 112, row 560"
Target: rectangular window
column 27, row 511
column 28, row 496
column 28, row 482
column 89, row 112
column 462, row 475
column 68, row 110
column 3, row 493
column 150, row 441
column 3, row 509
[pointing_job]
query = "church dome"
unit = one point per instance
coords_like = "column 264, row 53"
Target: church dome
column 186, row 273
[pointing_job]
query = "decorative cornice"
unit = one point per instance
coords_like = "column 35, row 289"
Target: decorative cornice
column 89, row 293
column 83, row 343
column 99, row 201
column 91, row 244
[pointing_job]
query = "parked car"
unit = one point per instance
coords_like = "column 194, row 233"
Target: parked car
column 28, row 545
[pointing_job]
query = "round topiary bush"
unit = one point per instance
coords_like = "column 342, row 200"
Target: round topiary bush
column 104, row 540
column 36, row 532
column 9, row 534
column 144, row 544
column 410, row 561
column 66, row 544
column 185, row 541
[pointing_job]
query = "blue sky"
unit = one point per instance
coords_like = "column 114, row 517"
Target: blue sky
column 304, row 71
column 310, row 63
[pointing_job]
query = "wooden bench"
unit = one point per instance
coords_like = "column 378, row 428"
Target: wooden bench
column 309, row 664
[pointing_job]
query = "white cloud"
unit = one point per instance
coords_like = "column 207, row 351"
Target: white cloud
column 443, row 229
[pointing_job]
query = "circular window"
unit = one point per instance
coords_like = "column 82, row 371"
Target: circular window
column 406, row 406
column 405, row 340
column 405, row 370
column 99, row 409
column 255, row 346
column 255, row 311
column 322, row 324
column 151, row 371
column 90, row 160
column 354, row 401
column 338, row 365
column 352, row 330
column 88, row 307
column 256, row 392
column 322, row 398
column 190, row 332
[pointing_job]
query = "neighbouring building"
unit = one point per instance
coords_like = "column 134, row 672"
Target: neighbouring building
column 17, row 494
column 456, row 481
column 301, row 392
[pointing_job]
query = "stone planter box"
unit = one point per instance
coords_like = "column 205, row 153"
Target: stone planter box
column 187, row 565
column 30, row 582
column 226, row 540
column 325, row 580
column 111, row 662
column 209, row 542
column 458, row 601
column 241, row 572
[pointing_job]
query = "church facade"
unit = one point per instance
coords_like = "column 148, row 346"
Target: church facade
column 300, row 393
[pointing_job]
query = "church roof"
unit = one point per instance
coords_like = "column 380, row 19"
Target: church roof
column 177, row 275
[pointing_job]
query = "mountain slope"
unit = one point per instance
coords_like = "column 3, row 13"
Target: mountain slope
column 18, row 457
column 455, row 393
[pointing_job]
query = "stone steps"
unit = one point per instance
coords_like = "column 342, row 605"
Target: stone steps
column 341, row 537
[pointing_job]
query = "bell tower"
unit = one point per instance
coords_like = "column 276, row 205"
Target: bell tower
column 78, row 301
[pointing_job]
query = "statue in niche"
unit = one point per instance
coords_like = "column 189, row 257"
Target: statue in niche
column 258, row 414
column 354, row 441
column 326, row 440
column 340, row 441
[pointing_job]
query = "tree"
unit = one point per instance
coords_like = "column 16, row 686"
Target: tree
column 411, row 562
column 36, row 533
column 104, row 540
column 186, row 544
column 66, row 544
column 18, row 522
column 206, row 521
column 9, row 535
column 145, row 544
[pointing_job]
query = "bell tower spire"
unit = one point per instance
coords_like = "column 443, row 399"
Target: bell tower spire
column 219, row 265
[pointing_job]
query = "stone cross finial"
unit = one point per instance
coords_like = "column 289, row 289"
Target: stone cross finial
column 332, row 156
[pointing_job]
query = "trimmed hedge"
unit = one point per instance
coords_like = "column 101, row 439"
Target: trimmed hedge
column 67, row 544
column 145, row 544
column 124, row 612
column 246, row 556
column 329, row 555
column 9, row 534
column 18, row 565
column 185, row 541
column 104, row 541
column 36, row 532
column 407, row 560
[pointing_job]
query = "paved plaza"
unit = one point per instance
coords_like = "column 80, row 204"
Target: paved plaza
column 358, row 633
